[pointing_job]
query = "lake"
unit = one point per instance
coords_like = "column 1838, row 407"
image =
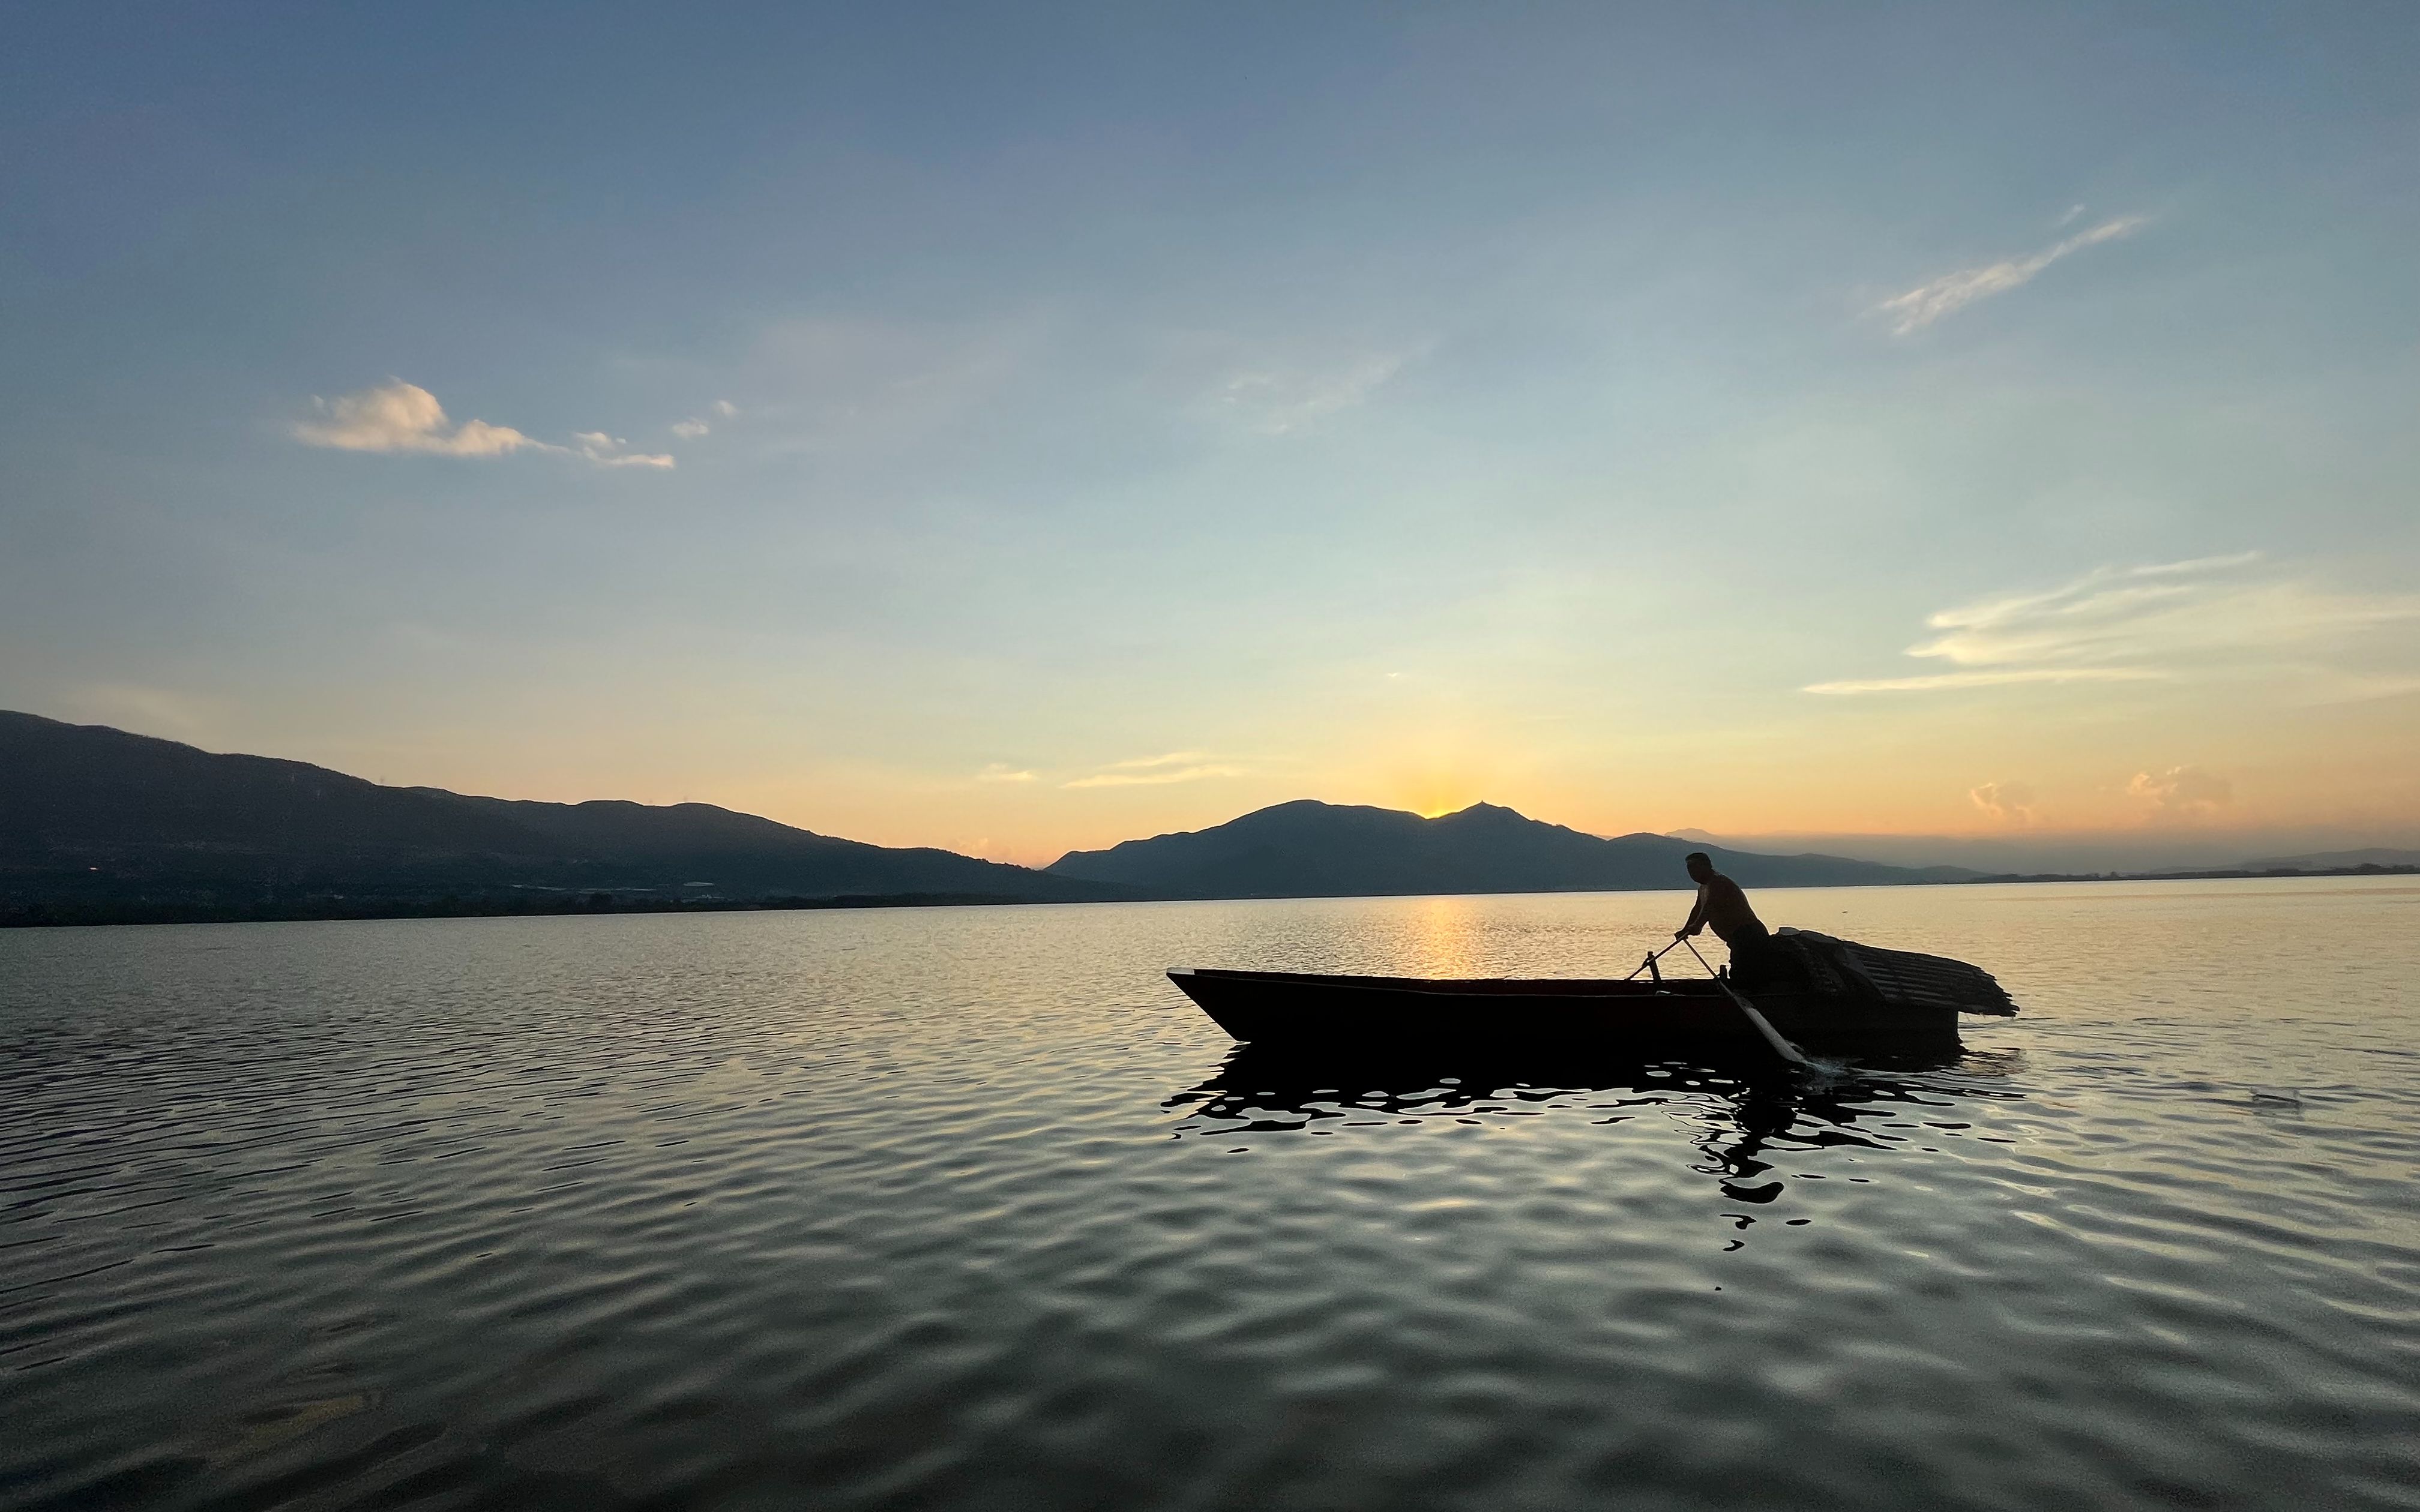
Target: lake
column 968, row 1208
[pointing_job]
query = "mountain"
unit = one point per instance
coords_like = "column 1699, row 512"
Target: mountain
column 114, row 825
column 2336, row 860
column 1308, row 849
column 91, row 815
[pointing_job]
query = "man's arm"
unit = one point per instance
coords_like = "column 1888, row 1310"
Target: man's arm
column 1696, row 919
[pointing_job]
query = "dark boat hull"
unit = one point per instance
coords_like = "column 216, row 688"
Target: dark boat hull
column 1678, row 1017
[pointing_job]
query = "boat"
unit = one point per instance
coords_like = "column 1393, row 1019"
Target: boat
column 1841, row 998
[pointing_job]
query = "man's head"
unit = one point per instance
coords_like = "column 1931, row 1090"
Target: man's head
column 1700, row 865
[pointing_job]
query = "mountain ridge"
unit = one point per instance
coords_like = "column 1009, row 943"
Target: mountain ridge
column 1307, row 848
column 91, row 813
column 101, row 824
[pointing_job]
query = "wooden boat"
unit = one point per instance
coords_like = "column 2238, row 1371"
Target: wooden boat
column 1847, row 999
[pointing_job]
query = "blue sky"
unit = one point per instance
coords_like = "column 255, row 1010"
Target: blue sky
column 1016, row 429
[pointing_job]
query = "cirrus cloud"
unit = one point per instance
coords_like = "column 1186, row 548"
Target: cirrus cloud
column 2205, row 617
column 1283, row 401
column 1157, row 771
column 1925, row 304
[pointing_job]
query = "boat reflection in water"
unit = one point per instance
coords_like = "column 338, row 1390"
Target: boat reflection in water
column 1735, row 1112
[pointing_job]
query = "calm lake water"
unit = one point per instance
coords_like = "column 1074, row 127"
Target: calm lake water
column 968, row 1208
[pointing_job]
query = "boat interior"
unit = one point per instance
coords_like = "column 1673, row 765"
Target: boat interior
column 1473, row 986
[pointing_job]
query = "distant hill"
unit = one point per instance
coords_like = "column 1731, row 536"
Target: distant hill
column 97, row 823
column 90, row 815
column 1308, row 849
column 2336, row 860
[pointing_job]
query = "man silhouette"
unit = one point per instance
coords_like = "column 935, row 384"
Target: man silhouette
column 1724, row 906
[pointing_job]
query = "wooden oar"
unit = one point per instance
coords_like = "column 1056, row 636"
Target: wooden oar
column 1781, row 1047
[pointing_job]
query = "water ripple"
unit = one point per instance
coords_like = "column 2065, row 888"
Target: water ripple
column 965, row 1208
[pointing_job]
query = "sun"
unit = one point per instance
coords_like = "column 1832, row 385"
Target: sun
column 1434, row 795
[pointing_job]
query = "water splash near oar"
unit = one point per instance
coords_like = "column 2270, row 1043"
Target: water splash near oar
column 1780, row 1042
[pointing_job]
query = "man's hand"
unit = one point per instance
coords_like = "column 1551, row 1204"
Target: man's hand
column 1680, row 933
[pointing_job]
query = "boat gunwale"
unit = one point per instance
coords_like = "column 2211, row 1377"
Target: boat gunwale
column 1556, row 987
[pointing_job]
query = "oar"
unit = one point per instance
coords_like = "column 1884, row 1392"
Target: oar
column 1772, row 1036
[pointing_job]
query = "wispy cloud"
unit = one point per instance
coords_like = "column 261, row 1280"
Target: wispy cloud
column 1937, row 682
column 1925, row 304
column 1280, row 402
column 2011, row 802
column 697, row 426
column 1157, row 771
column 404, row 417
column 607, row 451
column 1002, row 772
column 2202, row 617
column 2181, row 792
column 864, row 387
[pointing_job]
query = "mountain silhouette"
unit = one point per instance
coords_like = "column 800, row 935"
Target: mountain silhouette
column 91, row 814
column 1307, row 849
column 97, row 823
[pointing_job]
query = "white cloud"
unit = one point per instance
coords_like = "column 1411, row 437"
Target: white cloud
column 2200, row 618
column 605, row 451
column 689, row 430
column 1926, row 302
column 1156, row 771
column 726, row 408
column 2183, row 792
column 1002, row 772
column 405, row 417
column 2012, row 802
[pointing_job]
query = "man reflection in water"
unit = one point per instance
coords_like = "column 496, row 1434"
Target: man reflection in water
column 1755, row 962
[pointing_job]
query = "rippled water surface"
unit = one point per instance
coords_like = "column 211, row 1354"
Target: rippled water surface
column 967, row 1208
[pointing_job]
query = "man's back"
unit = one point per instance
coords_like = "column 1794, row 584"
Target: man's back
column 1726, row 910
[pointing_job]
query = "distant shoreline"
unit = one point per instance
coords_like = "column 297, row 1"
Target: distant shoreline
column 2224, row 873
column 334, row 910
column 65, row 914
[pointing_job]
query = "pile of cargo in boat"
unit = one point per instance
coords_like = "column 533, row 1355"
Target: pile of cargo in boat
column 1849, row 971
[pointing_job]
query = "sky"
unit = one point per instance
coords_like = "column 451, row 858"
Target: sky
column 1020, row 428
